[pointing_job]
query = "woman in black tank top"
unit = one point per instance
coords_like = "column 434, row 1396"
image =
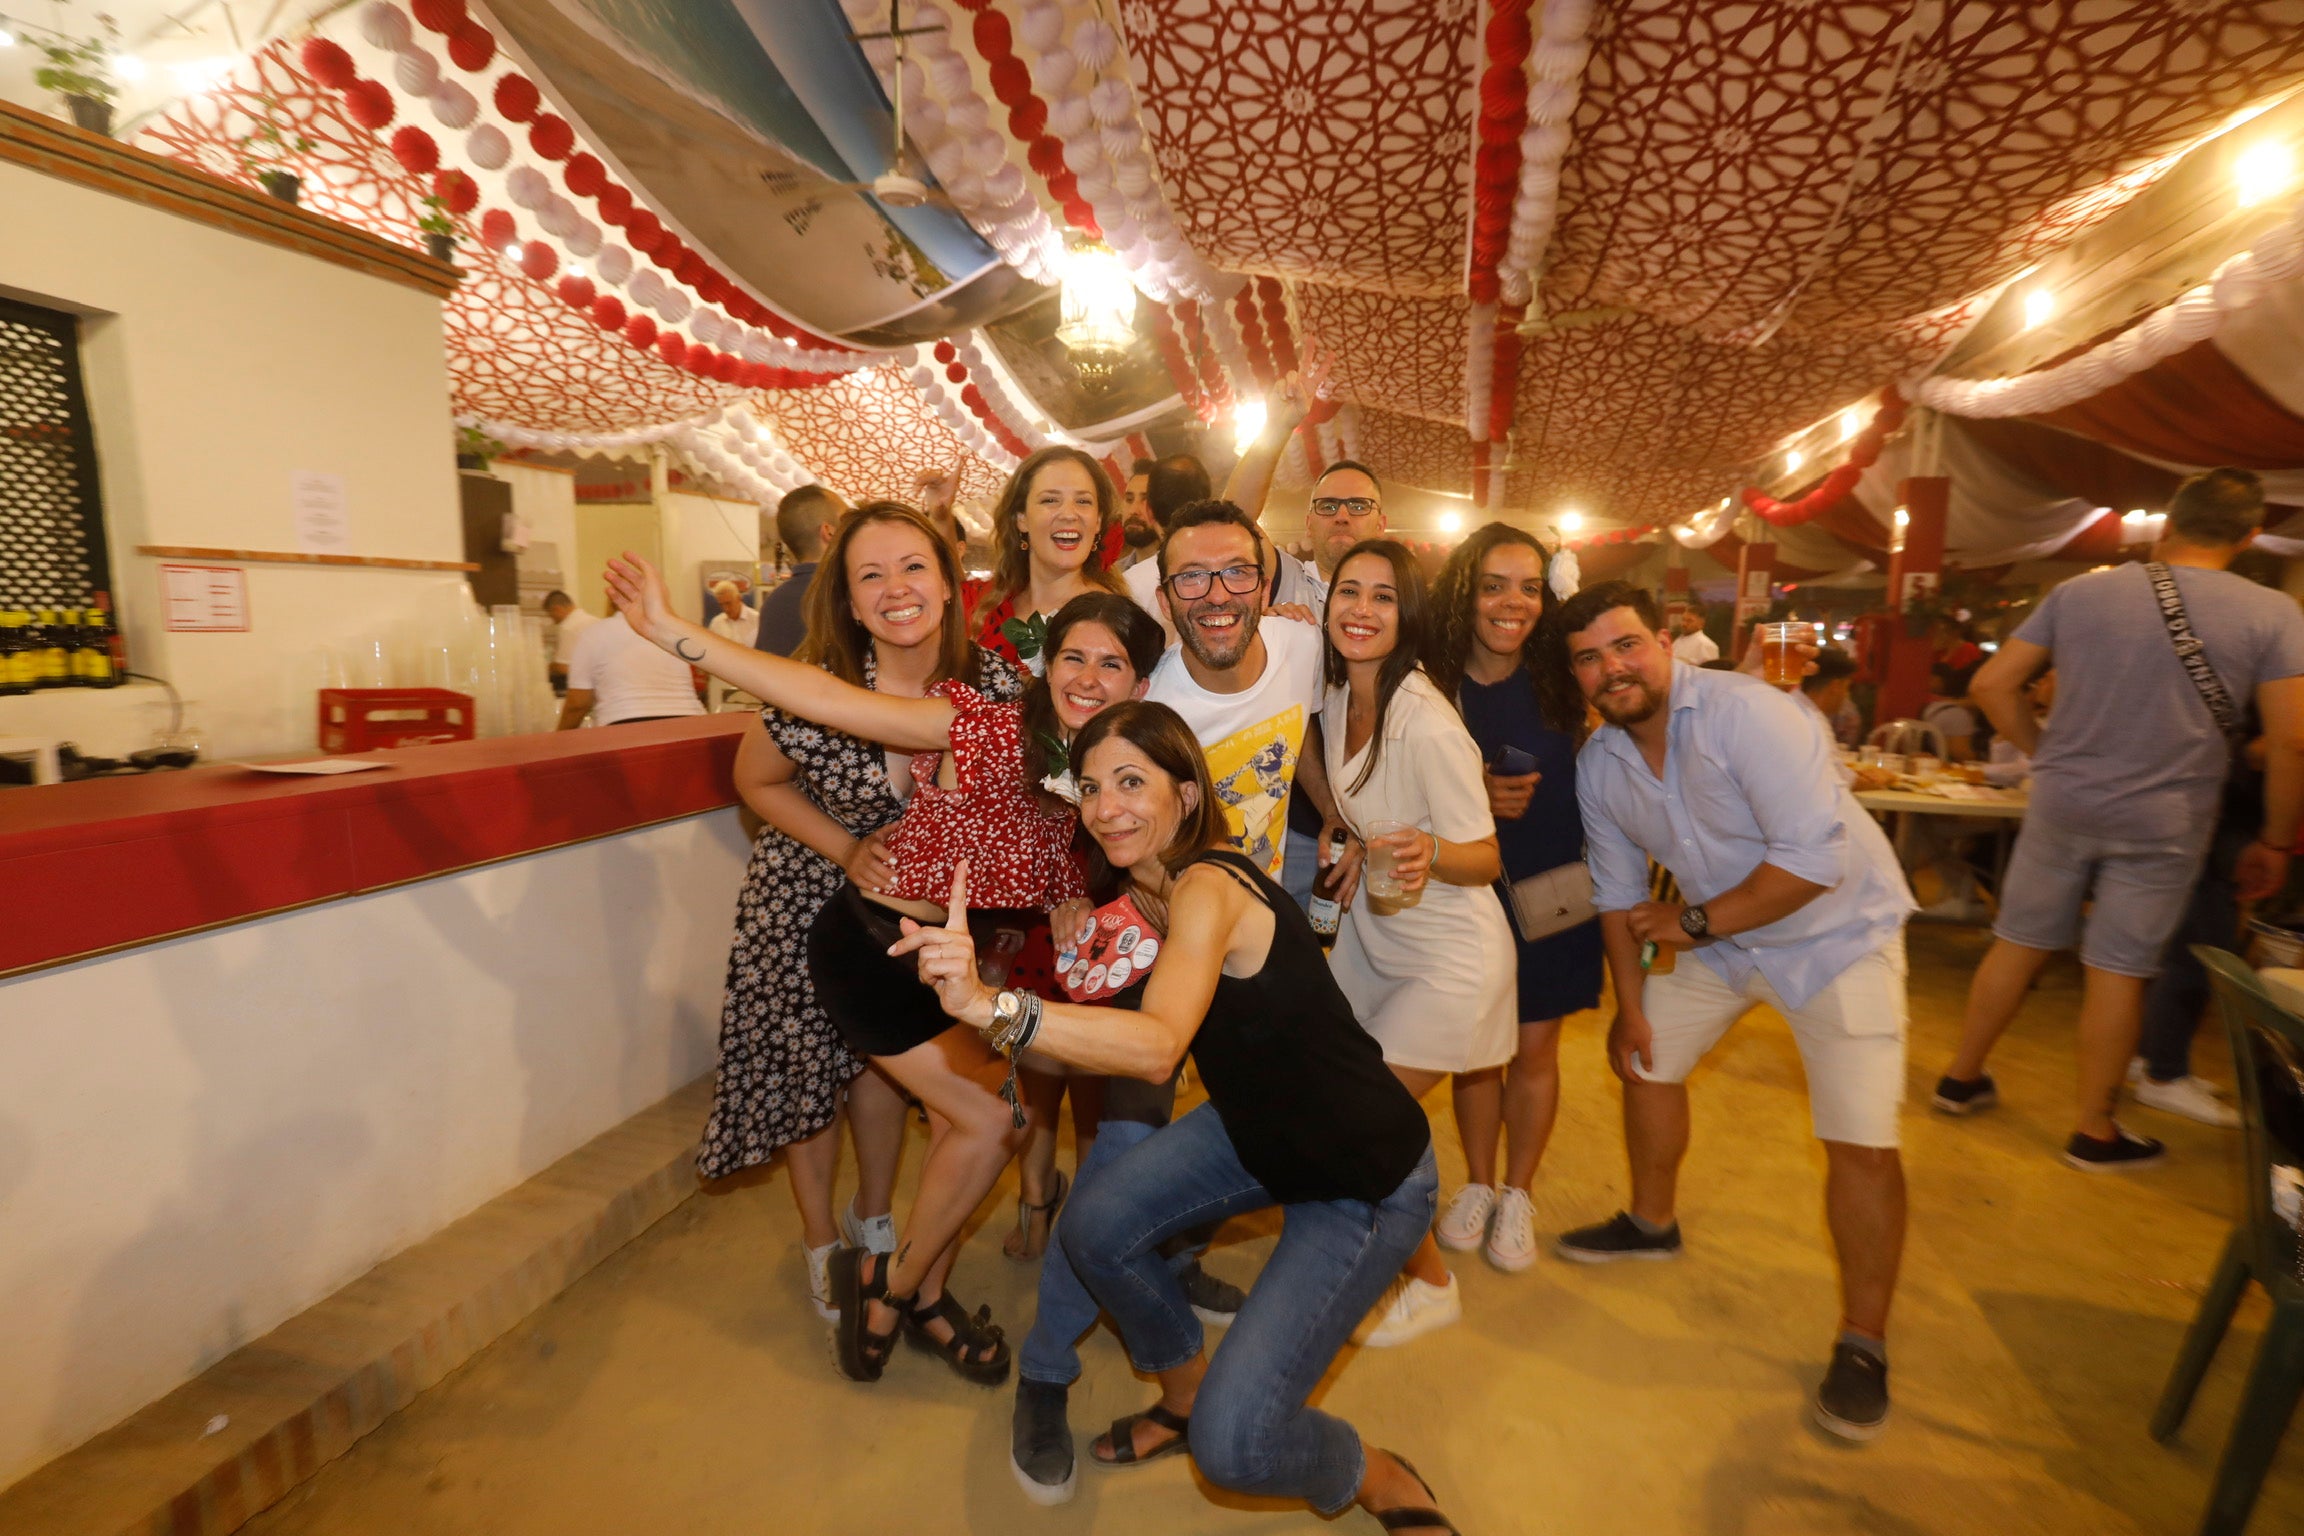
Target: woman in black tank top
column 1302, row 1114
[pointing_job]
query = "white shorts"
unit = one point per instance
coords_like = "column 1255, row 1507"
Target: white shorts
column 1850, row 1034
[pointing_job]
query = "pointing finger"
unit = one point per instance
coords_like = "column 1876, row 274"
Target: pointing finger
column 956, row 916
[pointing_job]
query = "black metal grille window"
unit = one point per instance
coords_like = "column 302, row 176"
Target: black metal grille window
column 52, row 552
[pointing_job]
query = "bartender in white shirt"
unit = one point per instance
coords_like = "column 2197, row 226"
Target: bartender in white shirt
column 1694, row 646
column 568, row 621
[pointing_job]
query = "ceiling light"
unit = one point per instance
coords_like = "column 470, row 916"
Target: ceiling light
column 197, row 75
column 129, row 67
column 7, row 38
column 2263, row 170
column 1793, row 461
column 1248, row 417
column 1571, row 520
column 1450, row 522
column 512, row 250
column 2039, row 304
column 1851, row 423
column 1098, row 322
column 1902, row 517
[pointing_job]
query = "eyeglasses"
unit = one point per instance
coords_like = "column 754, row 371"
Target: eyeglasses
column 1238, row 580
column 1337, row 506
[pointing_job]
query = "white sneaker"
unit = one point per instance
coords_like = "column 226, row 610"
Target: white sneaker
column 1466, row 1220
column 2192, row 1097
column 875, row 1234
column 820, row 1281
column 1512, row 1236
column 1414, row 1309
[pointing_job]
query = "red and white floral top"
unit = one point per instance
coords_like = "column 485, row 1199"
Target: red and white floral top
column 1019, row 852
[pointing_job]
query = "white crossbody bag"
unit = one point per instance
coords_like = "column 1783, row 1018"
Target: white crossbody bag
column 1552, row 902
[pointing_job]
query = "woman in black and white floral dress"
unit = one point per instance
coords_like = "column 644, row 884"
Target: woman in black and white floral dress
column 889, row 620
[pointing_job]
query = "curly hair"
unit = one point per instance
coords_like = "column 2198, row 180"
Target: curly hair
column 1455, row 600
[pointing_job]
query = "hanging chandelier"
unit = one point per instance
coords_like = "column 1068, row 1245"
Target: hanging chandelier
column 1098, row 322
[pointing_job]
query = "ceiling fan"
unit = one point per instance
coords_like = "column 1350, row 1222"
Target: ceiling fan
column 898, row 186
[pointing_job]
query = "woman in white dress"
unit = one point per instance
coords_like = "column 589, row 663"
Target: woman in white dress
column 1429, row 973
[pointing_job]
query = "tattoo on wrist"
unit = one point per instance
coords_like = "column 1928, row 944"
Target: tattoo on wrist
column 680, row 649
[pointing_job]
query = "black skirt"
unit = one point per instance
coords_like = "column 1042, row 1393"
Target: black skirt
column 878, row 1001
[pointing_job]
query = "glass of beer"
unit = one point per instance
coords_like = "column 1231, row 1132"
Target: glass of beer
column 1780, row 660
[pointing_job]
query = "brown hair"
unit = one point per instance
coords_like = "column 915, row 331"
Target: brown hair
column 1410, row 635
column 1455, row 607
column 837, row 640
column 1160, row 734
column 1011, row 562
column 1139, row 634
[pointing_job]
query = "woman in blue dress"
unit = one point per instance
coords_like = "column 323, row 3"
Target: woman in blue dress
column 1490, row 602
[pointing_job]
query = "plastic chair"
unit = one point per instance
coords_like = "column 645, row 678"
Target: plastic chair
column 2268, row 1056
column 1907, row 737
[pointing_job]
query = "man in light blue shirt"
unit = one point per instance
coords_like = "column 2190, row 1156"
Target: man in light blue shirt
column 1795, row 901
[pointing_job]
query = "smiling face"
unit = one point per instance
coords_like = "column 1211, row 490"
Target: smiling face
column 1346, row 508
column 1088, row 671
column 1060, row 517
column 1364, row 609
column 895, row 588
column 1137, row 524
column 1128, row 804
column 1218, row 626
column 1507, row 599
column 1623, row 666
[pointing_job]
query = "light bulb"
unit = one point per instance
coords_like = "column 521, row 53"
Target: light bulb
column 1902, row 517
column 1850, row 423
column 2039, row 304
column 1571, row 521
column 1451, row 522
column 2263, row 170
column 1793, row 461
column 1248, row 418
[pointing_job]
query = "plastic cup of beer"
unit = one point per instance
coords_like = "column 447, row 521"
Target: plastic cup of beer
column 1383, row 884
column 1780, row 659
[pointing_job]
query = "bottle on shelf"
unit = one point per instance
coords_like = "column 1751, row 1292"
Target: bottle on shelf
column 96, row 662
column 48, row 635
column 15, row 653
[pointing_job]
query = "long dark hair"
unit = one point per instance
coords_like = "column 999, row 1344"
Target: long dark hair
column 1161, row 735
column 1139, row 635
column 837, row 640
column 1011, row 561
column 1455, row 606
column 1407, row 653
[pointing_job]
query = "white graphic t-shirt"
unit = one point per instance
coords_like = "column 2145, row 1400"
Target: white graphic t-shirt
column 1253, row 738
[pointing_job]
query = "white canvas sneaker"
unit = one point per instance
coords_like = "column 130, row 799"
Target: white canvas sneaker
column 1465, row 1221
column 820, row 1282
column 875, row 1234
column 1415, row 1309
column 1512, row 1235
column 2192, row 1097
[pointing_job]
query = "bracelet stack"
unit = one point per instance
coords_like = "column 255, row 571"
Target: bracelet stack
column 1011, row 1037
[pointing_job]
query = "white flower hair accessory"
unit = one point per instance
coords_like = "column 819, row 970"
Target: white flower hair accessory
column 1063, row 786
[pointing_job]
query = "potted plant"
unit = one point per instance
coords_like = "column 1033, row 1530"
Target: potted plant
column 265, row 148
column 439, row 230
column 475, row 449
column 78, row 69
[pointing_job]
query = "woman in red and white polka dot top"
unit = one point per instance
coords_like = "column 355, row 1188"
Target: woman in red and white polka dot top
column 991, row 788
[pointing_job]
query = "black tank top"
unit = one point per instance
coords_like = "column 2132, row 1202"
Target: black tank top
column 1301, row 1088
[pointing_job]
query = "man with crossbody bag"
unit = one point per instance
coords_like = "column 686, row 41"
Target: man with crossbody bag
column 2151, row 662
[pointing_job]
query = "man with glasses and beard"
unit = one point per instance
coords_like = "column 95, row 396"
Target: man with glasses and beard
column 1794, row 899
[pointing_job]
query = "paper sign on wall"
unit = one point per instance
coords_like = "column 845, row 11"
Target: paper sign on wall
column 316, row 506
column 205, row 598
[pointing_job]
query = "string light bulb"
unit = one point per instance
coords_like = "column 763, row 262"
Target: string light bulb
column 1450, row 522
column 2263, row 170
column 2039, row 304
column 1248, row 418
column 1571, row 521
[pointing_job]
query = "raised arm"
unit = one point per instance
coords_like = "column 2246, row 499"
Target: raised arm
column 1204, row 916
column 1250, row 483
column 919, row 725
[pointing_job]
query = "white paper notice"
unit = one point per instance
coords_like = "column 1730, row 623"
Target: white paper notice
column 316, row 504
column 205, row 597
column 318, row 765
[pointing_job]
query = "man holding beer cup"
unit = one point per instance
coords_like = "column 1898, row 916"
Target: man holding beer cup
column 1792, row 897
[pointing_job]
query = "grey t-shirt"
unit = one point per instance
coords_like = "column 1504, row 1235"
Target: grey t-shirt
column 2130, row 749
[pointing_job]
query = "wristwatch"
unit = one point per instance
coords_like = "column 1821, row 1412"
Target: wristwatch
column 1694, row 923
column 1007, row 1012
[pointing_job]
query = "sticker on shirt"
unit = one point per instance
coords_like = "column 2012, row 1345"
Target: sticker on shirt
column 1253, row 769
column 1118, row 951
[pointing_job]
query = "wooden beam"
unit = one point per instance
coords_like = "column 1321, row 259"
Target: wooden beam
column 55, row 148
column 284, row 557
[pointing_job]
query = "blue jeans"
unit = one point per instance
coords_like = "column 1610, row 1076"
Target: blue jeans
column 1251, row 1430
column 1300, row 865
column 1051, row 1350
column 2175, row 999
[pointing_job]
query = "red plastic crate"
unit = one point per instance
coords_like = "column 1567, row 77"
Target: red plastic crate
column 362, row 719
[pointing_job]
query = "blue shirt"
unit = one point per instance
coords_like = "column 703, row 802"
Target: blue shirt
column 784, row 612
column 1748, row 779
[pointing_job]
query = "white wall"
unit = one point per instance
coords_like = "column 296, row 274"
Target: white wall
column 201, row 1138
column 218, row 366
column 706, row 529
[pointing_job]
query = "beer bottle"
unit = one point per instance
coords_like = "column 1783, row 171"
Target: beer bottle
column 49, row 647
column 13, row 646
column 98, row 640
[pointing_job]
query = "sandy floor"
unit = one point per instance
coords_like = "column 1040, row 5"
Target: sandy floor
column 684, row 1386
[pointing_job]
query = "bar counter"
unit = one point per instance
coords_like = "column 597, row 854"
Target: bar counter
column 104, row 864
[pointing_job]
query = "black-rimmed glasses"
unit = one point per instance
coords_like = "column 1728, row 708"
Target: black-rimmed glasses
column 1238, row 580
column 1343, row 506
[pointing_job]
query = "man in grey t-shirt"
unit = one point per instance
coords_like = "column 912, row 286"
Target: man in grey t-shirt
column 2126, row 777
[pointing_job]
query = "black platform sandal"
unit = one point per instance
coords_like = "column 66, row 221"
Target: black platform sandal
column 971, row 1337
column 860, row 1353
column 1408, row 1518
column 1120, row 1439
column 1025, row 1211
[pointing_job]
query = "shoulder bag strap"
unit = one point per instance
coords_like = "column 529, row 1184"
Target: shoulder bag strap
column 2191, row 651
